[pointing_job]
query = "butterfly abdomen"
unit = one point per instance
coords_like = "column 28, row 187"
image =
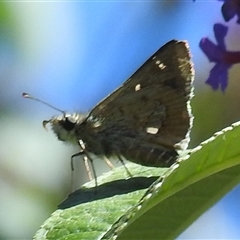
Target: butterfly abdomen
column 151, row 156
column 144, row 153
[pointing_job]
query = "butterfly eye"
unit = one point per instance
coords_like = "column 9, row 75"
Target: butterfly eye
column 69, row 123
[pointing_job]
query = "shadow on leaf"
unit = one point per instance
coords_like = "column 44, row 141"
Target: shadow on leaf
column 106, row 190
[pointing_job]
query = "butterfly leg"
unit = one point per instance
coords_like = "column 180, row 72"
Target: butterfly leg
column 86, row 158
column 75, row 155
column 108, row 162
column 124, row 165
column 72, row 166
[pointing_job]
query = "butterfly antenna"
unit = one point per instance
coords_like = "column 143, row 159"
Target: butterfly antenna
column 26, row 95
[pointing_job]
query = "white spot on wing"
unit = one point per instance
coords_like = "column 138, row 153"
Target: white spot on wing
column 95, row 121
column 160, row 64
column 152, row 130
column 97, row 124
column 137, row 87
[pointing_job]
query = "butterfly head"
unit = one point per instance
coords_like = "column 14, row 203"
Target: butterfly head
column 65, row 126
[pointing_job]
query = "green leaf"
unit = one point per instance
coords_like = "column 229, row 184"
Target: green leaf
column 98, row 210
column 170, row 205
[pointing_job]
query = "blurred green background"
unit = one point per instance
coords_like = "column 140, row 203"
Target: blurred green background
column 72, row 54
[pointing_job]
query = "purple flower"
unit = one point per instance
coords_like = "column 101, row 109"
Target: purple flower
column 224, row 59
column 230, row 8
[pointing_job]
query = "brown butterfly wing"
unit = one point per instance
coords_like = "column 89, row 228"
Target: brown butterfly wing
column 148, row 118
